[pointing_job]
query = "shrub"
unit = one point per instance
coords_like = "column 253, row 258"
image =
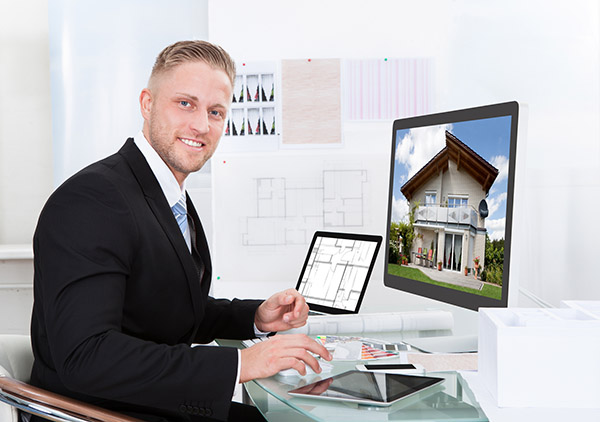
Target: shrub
column 394, row 255
column 493, row 274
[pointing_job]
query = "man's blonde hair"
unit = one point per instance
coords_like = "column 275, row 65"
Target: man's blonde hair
column 193, row 51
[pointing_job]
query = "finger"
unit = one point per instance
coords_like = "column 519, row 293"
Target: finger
column 299, row 322
column 288, row 297
column 299, row 305
column 303, row 358
column 298, row 315
column 306, row 343
column 300, row 367
column 317, row 348
column 292, row 362
column 311, row 361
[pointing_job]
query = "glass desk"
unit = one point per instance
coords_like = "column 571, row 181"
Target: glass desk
column 451, row 401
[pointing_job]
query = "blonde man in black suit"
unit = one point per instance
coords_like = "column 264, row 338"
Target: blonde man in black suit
column 121, row 285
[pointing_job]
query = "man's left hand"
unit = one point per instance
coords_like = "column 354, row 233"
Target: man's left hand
column 282, row 311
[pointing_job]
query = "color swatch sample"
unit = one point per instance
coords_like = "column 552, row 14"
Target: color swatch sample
column 367, row 350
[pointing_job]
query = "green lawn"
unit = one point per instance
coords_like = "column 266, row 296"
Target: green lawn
column 494, row 292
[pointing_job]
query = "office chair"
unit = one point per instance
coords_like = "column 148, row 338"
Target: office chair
column 18, row 399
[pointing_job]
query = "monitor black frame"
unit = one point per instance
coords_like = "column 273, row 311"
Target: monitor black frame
column 440, row 293
column 337, row 235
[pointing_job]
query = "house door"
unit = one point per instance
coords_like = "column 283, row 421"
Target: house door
column 453, row 252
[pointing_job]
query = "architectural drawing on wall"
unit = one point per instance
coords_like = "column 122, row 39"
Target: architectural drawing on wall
column 387, row 88
column 289, row 211
column 267, row 206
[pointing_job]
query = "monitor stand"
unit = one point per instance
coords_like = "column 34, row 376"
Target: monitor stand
column 444, row 344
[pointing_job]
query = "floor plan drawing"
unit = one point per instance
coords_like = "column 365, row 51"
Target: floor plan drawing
column 266, row 208
column 288, row 211
column 336, row 272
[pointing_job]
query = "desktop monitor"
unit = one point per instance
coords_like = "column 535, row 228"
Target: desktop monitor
column 450, row 205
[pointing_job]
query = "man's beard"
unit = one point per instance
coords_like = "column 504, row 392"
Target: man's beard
column 167, row 151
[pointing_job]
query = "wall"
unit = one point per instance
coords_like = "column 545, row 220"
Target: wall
column 89, row 117
column 543, row 54
column 25, row 138
column 25, row 150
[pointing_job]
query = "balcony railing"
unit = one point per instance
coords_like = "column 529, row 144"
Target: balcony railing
column 437, row 214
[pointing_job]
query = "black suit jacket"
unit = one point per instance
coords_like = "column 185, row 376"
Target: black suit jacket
column 119, row 298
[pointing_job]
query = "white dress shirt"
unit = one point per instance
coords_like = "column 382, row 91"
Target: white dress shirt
column 166, row 179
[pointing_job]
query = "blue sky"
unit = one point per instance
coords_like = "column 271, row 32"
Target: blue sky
column 490, row 138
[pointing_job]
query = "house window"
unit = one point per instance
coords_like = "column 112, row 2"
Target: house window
column 457, row 201
column 430, row 199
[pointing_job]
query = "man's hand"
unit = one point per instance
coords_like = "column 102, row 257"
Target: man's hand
column 282, row 311
column 281, row 352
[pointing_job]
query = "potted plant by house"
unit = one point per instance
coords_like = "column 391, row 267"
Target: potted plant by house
column 466, row 270
column 439, row 265
column 476, row 264
column 404, row 260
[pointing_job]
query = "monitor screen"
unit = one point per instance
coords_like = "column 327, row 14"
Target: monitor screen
column 450, row 205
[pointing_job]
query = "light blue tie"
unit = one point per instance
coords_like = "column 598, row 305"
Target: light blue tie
column 180, row 213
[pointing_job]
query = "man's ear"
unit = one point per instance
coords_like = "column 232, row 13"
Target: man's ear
column 146, row 103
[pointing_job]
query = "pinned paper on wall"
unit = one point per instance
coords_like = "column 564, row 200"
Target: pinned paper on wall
column 381, row 89
column 311, row 102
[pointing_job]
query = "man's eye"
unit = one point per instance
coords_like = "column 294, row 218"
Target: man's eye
column 216, row 113
column 184, row 103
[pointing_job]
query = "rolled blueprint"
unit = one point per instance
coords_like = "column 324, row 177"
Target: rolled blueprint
column 376, row 323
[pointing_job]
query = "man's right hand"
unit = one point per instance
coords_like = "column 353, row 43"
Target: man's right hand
column 281, row 352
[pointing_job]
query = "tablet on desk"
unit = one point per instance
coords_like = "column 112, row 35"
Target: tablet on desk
column 374, row 389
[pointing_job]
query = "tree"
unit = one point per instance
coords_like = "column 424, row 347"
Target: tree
column 394, row 253
column 494, row 261
column 407, row 231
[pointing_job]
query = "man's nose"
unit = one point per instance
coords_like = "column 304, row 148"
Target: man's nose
column 200, row 122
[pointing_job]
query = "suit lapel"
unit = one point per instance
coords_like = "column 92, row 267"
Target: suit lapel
column 200, row 236
column 160, row 208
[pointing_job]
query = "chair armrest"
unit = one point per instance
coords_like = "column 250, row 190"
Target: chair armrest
column 35, row 399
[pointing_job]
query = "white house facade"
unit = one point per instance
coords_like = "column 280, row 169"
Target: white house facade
column 450, row 191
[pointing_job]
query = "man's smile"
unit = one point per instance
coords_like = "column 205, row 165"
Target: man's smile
column 192, row 142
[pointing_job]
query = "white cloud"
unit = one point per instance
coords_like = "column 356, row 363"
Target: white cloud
column 495, row 202
column 495, row 228
column 501, row 163
column 399, row 209
column 419, row 146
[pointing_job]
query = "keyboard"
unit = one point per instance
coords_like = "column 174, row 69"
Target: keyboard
column 253, row 341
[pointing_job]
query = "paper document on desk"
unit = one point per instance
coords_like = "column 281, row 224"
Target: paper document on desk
column 376, row 323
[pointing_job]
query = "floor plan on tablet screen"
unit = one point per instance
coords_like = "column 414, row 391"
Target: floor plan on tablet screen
column 336, row 271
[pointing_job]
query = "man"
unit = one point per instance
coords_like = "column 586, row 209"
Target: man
column 122, row 268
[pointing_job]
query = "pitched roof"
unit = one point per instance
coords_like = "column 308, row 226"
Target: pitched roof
column 466, row 160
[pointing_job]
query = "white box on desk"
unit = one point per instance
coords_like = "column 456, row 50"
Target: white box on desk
column 541, row 357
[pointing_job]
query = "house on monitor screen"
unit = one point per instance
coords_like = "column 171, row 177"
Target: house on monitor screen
column 450, row 219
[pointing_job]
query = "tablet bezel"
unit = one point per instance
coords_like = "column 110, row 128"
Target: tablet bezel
column 339, row 235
